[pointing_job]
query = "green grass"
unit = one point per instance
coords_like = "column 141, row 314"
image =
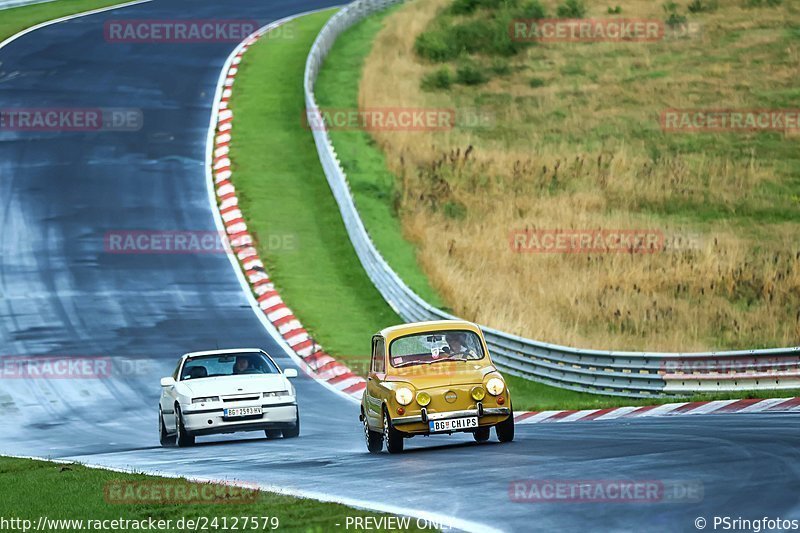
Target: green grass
column 17, row 19
column 33, row 489
column 373, row 186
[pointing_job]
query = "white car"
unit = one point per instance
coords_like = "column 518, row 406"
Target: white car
column 227, row 391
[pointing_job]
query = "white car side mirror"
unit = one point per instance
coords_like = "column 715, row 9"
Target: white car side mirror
column 168, row 381
column 290, row 373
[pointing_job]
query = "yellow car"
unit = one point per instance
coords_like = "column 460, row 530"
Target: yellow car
column 430, row 378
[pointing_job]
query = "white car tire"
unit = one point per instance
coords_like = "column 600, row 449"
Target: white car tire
column 185, row 439
column 164, row 438
column 291, row 433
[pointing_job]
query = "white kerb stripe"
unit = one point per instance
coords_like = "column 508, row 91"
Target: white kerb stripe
column 305, row 352
column 347, row 383
column 766, row 404
column 229, row 202
column 264, row 288
column 538, row 417
column 711, row 407
column 271, row 302
column 616, row 413
column 257, row 276
column 577, row 416
column 663, row 409
column 279, row 313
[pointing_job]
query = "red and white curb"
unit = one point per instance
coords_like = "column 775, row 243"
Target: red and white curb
column 669, row 409
column 318, row 363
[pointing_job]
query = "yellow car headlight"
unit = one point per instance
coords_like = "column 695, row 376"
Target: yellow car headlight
column 495, row 386
column 403, row 395
column 478, row 393
column 423, row 398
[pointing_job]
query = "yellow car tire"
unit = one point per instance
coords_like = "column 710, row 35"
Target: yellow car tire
column 392, row 439
column 373, row 439
column 482, row 434
column 505, row 429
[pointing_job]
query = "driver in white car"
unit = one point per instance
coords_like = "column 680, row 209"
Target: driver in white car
column 242, row 365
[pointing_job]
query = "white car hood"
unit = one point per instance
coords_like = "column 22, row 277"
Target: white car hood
column 231, row 385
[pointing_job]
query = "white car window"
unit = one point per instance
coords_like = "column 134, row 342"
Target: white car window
column 228, row 365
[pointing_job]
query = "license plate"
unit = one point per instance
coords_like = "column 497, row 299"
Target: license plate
column 235, row 412
column 453, row 424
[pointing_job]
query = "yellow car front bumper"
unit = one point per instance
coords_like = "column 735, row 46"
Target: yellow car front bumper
column 418, row 424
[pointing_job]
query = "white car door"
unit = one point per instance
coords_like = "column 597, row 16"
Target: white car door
column 168, row 398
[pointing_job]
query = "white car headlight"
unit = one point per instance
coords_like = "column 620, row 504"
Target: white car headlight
column 206, row 399
column 403, row 395
column 495, row 386
column 276, row 393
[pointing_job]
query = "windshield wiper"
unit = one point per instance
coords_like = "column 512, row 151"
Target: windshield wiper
column 401, row 365
column 448, row 359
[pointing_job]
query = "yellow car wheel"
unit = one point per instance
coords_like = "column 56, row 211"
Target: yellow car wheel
column 373, row 439
column 505, row 429
column 482, row 434
column 392, row 439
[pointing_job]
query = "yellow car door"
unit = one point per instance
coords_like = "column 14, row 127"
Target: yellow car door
column 375, row 392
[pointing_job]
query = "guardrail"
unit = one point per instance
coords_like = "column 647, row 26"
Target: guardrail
column 633, row 374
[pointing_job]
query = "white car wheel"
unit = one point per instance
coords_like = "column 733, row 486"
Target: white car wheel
column 184, row 437
column 164, row 438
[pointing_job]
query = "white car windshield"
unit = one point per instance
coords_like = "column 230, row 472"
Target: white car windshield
column 234, row 364
column 433, row 347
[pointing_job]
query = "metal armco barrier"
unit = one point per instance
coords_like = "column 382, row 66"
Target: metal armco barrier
column 633, row 374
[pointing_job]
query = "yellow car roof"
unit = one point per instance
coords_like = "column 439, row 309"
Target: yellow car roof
column 413, row 328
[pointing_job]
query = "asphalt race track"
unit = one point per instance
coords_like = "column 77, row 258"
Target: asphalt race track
column 62, row 294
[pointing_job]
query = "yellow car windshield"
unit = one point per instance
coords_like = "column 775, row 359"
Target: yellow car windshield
column 433, row 347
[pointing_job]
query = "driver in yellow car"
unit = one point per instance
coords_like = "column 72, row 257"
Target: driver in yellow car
column 457, row 347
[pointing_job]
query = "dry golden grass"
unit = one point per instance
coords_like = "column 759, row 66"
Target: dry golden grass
column 585, row 151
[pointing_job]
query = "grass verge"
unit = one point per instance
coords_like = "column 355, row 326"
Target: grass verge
column 283, row 192
column 17, row 19
column 32, row 489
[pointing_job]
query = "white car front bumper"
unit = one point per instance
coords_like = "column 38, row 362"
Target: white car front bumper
column 209, row 420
